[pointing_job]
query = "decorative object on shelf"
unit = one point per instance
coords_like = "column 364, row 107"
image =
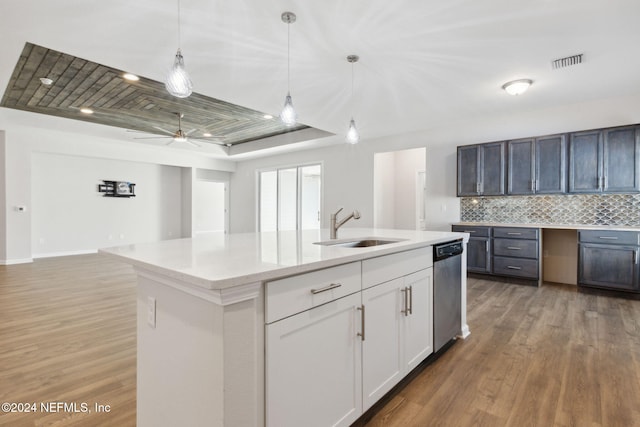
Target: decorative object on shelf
column 353, row 136
column 288, row 114
column 178, row 83
column 117, row 188
column 517, row 87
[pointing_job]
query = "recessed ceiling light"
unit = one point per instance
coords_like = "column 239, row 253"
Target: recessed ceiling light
column 131, row 77
column 207, row 134
column 268, row 116
column 517, row 87
column 46, row 81
column 86, row 111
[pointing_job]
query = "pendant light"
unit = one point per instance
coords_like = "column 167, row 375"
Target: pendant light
column 288, row 114
column 352, row 137
column 178, row 82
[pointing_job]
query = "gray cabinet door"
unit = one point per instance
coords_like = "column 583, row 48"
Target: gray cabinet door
column 468, row 170
column 550, row 165
column 585, row 165
column 492, row 169
column 478, row 259
column 608, row 266
column 520, row 177
column 621, row 160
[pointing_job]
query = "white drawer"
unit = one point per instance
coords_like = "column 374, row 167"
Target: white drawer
column 388, row 267
column 295, row 294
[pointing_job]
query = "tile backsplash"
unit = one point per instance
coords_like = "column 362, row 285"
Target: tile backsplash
column 577, row 209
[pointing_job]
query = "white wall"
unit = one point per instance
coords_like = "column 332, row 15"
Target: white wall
column 348, row 170
column 69, row 215
column 407, row 165
column 384, row 195
column 28, row 133
column 208, row 206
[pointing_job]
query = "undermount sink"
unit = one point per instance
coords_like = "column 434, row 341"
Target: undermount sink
column 360, row 243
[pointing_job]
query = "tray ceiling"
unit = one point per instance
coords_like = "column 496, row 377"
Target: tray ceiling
column 142, row 105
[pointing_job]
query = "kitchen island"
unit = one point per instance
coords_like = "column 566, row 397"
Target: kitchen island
column 211, row 311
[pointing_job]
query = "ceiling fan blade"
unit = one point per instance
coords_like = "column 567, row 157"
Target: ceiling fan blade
column 164, row 130
column 210, row 141
column 137, row 131
column 153, row 137
column 190, row 132
column 188, row 141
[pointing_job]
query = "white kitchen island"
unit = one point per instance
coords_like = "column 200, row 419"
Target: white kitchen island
column 206, row 306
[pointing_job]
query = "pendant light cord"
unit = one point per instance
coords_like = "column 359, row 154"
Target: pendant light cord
column 352, row 90
column 179, row 19
column 289, row 57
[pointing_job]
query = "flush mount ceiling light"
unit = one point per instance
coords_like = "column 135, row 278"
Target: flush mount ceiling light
column 130, row 77
column 352, row 137
column 85, row 110
column 178, row 82
column 517, row 87
column 46, row 81
column 288, row 114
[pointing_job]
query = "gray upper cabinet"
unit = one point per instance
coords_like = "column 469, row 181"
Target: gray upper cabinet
column 537, row 166
column 605, row 161
column 481, row 169
column 520, row 177
column 621, row 155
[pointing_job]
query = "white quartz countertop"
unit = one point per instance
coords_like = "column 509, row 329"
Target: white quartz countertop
column 219, row 261
column 553, row 226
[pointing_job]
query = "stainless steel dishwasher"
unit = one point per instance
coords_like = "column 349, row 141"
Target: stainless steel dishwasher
column 447, row 280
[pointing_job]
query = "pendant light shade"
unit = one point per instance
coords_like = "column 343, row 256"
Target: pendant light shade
column 353, row 136
column 288, row 114
column 178, row 82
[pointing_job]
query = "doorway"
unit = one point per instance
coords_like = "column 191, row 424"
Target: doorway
column 210, row 207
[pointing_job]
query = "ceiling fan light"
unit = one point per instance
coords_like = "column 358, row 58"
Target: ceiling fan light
column 353, row 136
column 178, row 82
column 517, row 87
column 288, row 114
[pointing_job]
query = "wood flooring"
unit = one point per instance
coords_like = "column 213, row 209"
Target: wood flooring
column 548, row 356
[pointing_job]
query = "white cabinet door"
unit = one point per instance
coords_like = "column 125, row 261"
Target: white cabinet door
column 417, row 326
column 381, row 364
column 313, row 366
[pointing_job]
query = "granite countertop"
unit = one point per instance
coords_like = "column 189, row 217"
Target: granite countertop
column 219, row 261
column 552, row 226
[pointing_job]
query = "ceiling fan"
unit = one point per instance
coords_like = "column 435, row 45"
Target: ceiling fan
column 182, row 136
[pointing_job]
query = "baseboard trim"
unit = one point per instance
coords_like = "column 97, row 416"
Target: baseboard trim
column 65, row 253
column 15, row 261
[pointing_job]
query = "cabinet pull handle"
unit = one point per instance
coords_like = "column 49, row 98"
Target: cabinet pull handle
column 513, row 267
column 405, row 292
column 410, row 299
column 361, row 334
column 635, row 257
column 469, row 231
column 326, row 288
column 513, row 233
column 533, row 185
column 478, row 188
column 604, row 182
column 537, row 184
column 608, row 237
column 513, row 248
column 486, row 246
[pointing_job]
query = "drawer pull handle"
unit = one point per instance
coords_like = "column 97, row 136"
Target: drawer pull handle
column 608, row 237
column 361, row 334
column 514, row 248
column 326, row 288
column 469, row 231
column 510, row 233
column 513, row 267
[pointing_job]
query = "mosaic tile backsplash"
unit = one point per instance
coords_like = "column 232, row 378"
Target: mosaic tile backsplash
column 579, row 209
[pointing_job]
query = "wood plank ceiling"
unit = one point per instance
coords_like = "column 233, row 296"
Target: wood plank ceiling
column 142, row 105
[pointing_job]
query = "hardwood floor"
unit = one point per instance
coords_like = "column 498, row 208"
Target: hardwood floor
column 546, row 356
column 68, row 334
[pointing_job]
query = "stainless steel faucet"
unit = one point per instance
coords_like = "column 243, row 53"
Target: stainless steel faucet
column 337, row 224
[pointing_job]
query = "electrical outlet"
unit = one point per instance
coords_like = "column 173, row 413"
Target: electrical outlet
column 151, row 311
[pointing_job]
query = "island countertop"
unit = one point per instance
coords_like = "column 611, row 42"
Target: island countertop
column 218, row 261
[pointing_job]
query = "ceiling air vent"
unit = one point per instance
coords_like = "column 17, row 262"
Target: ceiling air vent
column 567, row 61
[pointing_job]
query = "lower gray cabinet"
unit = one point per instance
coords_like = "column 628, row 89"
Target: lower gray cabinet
column 609, row 260
column 478, row 248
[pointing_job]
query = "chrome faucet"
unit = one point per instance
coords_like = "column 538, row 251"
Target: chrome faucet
column 335, row 224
